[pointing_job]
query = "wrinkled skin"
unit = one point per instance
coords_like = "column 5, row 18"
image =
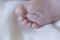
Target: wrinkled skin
column 42, row 11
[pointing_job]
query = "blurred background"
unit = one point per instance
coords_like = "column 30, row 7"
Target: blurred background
column 9, row 29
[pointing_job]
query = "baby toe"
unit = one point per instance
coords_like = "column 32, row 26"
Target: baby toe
column 20, row 10
column 35, row 25
column 25, row 22
column 29, row 24
column 21, row 18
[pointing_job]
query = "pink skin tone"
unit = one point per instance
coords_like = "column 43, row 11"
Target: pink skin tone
column 38, row 12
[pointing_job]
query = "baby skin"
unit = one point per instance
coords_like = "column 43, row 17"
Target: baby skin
column 37, row 13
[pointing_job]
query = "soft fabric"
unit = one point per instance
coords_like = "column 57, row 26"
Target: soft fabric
column 11, row 29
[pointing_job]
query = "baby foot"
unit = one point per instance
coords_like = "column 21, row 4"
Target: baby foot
column 37, row 13
column 21, row 11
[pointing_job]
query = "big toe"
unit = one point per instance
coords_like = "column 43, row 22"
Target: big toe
column 20, row 10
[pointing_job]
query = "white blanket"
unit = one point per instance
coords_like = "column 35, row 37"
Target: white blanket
column 10, row 30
